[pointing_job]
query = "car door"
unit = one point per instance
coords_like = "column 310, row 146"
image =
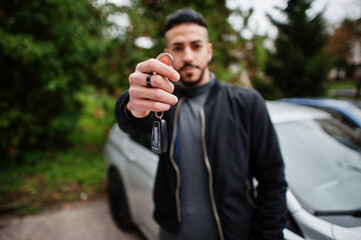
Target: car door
column 141, row 172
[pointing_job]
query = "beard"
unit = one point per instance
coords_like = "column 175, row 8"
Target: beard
column 193, row 83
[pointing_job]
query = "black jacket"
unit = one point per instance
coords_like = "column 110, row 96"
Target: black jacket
column 240, row 144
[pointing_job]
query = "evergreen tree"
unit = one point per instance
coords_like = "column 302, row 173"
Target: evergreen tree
column 299, row 66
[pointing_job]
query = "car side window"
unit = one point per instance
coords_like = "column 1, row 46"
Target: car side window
column 347, row 121
column 334, row 113
column 142, row 139
column 340, row 117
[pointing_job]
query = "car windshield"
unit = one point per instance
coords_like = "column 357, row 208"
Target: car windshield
column 355, row 111
column 323, row 163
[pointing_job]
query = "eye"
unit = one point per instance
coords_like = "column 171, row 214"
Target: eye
column 197, row 46
column 177, row 49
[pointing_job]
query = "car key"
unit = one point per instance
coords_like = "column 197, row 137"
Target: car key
column 159, row 140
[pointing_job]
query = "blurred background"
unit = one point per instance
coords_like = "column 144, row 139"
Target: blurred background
column 63, row 64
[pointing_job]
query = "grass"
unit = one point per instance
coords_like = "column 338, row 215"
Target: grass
column 344, row 90
column 64, row 175
column 57, row 177
column 344, row 84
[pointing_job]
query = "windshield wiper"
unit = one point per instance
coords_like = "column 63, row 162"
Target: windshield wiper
column 354, row 213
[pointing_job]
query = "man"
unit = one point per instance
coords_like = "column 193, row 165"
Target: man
column 220, row 138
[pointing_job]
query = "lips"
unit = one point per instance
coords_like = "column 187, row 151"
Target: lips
column 188, row 68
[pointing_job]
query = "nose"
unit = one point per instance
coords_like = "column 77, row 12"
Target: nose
column 188, row 55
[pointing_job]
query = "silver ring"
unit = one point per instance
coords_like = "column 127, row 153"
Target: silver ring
column 147, row 80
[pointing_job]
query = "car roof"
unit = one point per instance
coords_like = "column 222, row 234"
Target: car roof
column 347, row 108
column 322, row 102
column 288, row 112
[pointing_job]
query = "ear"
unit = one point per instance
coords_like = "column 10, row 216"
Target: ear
column 209, row 52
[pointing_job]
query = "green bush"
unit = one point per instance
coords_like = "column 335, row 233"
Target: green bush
column 46, row 177
column 47, row 48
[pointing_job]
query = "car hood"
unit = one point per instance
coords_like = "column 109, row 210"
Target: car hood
column 346, row 233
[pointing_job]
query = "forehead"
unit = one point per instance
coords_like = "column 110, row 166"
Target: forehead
column 184, row 33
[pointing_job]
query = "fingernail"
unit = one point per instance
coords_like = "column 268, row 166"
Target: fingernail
column 176, row 76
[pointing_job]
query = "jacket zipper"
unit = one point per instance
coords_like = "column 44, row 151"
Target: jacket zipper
column 171, row 152
column 210, row 177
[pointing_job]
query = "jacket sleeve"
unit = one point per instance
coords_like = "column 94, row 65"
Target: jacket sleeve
column 127, row 122
column 268, row 168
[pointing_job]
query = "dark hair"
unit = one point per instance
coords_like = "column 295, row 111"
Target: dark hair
column 181, row 16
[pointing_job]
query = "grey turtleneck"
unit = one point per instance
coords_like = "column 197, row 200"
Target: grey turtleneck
column 198, row 220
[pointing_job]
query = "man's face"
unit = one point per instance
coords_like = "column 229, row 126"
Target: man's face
column 191, row 50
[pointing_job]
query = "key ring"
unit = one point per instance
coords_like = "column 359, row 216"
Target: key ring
column 169, row 57
column 157, row 116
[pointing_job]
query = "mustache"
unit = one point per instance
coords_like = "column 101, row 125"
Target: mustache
column 188, row 65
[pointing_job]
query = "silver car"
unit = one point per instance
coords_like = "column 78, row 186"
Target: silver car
column 323, row 170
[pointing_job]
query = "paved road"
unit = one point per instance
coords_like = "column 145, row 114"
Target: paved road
column 86, row 220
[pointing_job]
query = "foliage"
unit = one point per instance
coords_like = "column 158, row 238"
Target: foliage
column 267, row 89
column 336, row 85
column 255, row 60
column 339, row 44
column 299, row 66
column 339, row 47
column 49, row 178
column 63, row 175
column 47, row 50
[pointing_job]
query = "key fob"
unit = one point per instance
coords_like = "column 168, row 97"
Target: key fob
column 159, row 139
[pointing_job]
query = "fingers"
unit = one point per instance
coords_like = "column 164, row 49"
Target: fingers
column 157, row 98
column 153, row 94
column 143, row 105
column 158, row 67
column 156, row 81
column 141, row 101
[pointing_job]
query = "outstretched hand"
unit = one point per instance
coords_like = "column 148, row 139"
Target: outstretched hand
column 158, row 97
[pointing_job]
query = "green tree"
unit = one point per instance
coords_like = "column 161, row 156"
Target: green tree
column 299, row 66
column 48, row 50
